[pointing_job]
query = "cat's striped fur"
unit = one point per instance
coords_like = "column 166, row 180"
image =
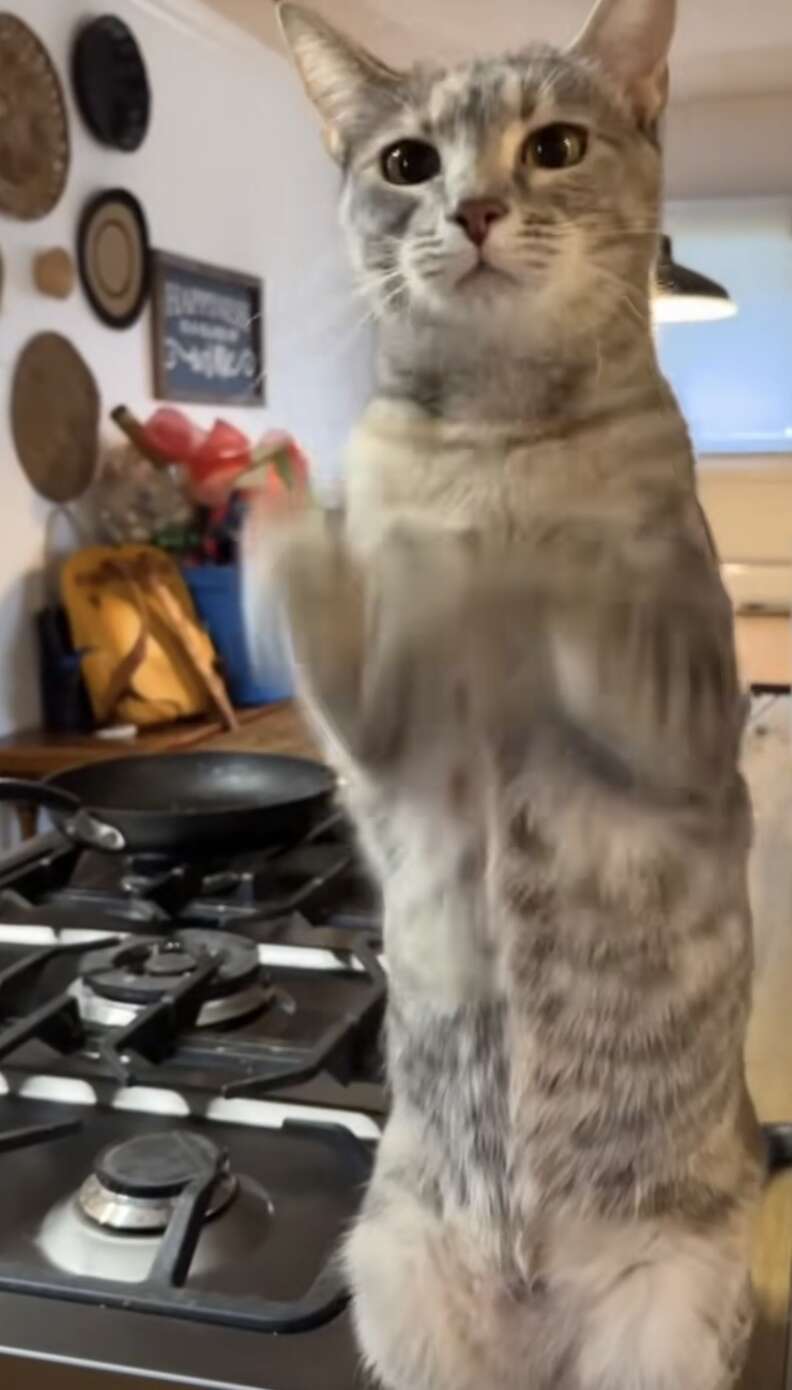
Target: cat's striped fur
column 520, row 654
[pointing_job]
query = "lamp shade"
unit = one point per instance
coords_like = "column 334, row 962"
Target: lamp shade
column 687, row 296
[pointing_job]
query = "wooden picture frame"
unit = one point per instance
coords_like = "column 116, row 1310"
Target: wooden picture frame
column 207, row 333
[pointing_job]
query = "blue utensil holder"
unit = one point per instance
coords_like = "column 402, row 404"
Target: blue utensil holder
column 215, row 591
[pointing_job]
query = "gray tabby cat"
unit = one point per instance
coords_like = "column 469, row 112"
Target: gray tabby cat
column 519, row 653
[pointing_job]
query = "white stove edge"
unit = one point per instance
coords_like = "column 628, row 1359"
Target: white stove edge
column 272, row 953
column 153, row 1100
column 100, row 1367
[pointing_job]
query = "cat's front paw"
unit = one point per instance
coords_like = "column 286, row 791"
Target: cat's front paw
column 313, row 568
column 267, row 534
column 270, row 535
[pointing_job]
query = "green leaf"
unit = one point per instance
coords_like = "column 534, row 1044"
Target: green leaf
column 282, row 464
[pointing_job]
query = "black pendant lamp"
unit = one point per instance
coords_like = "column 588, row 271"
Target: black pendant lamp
column 686, row 296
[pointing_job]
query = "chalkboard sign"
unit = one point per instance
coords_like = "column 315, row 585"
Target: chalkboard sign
column 208, row 338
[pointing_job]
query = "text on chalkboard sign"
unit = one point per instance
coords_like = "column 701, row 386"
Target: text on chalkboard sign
column 208, row 333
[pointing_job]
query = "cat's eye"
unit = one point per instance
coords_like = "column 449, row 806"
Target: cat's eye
column 557, row 146
column 410, row 162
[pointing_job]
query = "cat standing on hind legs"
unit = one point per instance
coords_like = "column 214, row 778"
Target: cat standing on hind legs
column 518, row 650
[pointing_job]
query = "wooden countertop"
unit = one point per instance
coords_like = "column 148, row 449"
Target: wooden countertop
column 272, row 728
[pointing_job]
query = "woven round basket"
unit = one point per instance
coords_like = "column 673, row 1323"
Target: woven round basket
column 34, row 127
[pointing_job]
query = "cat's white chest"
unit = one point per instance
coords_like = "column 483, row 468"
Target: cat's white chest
column 403, row 467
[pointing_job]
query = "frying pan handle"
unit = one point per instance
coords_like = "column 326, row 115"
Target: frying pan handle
column 79, row 824
column 38, row 794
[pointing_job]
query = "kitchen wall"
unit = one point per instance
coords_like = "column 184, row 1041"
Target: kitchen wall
column 233, row 171
column 730, row 147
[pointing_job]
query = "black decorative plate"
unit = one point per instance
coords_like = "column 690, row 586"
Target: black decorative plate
column 34, row 129
column 111, row 83
column 113, row 256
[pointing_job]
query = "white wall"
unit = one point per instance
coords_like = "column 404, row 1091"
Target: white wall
column 730, row 147
column 233, row 171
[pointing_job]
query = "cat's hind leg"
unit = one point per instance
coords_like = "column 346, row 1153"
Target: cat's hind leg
column 429, row 1315
column 679, row 1318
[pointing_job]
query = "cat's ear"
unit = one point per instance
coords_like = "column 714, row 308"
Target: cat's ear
column 631, row 40
column 349, row 87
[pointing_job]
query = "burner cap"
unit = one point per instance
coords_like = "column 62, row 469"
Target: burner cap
column 141, row 972
column 136, row 1184
column 169, row 958
column 156, row 1165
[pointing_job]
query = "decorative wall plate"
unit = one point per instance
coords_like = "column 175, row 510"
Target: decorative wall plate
column 34, row 128
column 55, row 417
column 111, row 83
column 113, row 256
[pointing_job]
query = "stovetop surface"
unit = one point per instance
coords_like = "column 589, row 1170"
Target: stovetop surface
column 288, row 1083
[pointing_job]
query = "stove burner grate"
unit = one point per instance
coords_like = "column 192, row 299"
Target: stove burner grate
column 319, row 876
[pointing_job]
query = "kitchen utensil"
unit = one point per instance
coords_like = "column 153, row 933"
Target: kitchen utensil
column 216, row 593
column 64, row 698
column 34, row 129
column 190, row 802
column 111, row 83
column 113, row 256
column 55, row 417
column 147, row 440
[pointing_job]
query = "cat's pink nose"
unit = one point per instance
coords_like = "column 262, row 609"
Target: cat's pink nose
column 477, row 215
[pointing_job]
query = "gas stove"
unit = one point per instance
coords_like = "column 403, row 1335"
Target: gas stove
column 320, row 876
column 191, row 1094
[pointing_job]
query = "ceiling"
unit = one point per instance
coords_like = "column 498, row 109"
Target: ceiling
column 723, row 47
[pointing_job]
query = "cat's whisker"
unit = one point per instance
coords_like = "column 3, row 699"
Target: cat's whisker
column 622, row 294
column 377, row 303
column 344, row 343
column 370, row 287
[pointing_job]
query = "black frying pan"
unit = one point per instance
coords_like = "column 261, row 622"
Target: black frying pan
column 182, row 802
